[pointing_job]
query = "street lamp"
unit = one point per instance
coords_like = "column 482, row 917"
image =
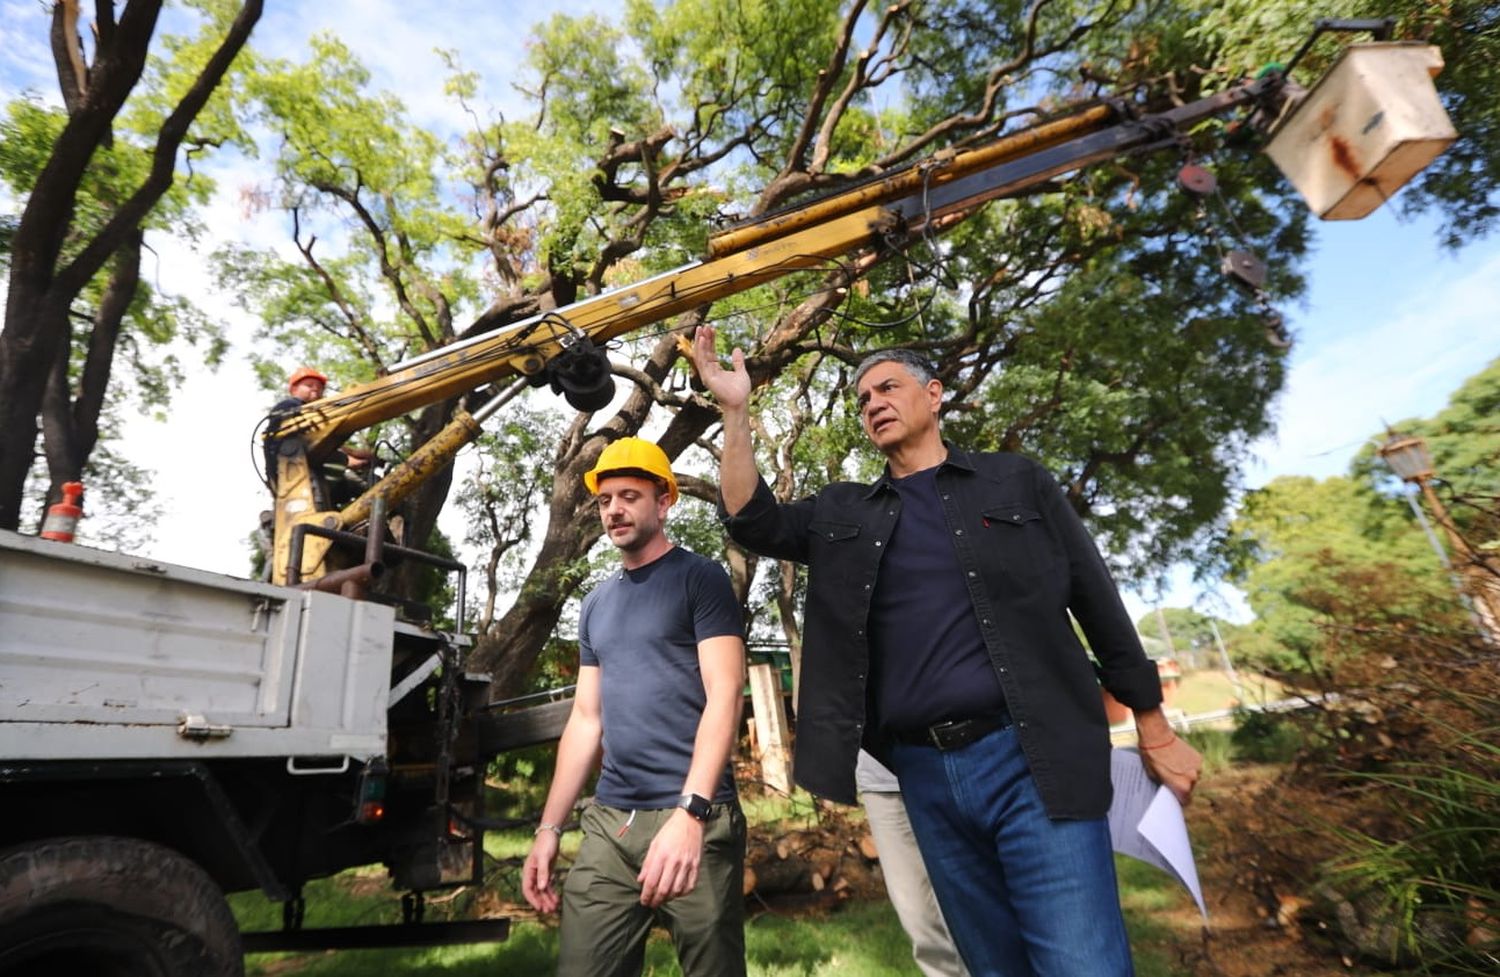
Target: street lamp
column 1408, row 457
column 1478, row 578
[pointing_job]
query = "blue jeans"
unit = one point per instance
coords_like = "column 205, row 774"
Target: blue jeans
column 1024, row 896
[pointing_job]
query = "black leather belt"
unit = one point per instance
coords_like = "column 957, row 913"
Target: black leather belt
column 954, row 733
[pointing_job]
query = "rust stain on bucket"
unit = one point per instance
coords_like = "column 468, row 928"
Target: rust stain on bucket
column 1343, row 157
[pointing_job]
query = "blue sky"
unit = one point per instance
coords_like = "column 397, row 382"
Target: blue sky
column 1391, row 324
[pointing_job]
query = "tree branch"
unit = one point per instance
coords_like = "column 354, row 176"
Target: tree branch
column 67, row 55
column 76, row 274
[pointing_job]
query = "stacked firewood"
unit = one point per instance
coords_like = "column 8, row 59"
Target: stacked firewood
column 827, row 863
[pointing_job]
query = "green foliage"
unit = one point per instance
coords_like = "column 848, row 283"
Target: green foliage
column 436, row 588
column 1088, row 325
column 1152, row 444
column 1412, row 873
column 1393, row 784
column 1301, row 548
column 1264, row 737
column 131, row 364
column 1464, row 440
column 519, row 781
column 352, row 168
column 1189, row 628
column 1216, row 748
column 1436, row 872
column 1298, row 536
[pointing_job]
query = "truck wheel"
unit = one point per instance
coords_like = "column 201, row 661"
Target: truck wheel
column 112, row 907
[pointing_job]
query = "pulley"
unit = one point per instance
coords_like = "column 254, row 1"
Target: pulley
column 581, row 373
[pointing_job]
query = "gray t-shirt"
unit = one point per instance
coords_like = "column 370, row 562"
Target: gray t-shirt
column 641, row 628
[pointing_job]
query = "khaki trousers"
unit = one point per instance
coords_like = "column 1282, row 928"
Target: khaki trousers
column 604, row 926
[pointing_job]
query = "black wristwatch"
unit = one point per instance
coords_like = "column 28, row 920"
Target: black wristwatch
column 699, row 807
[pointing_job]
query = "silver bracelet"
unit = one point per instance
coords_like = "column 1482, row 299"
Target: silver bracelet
column 544, row 826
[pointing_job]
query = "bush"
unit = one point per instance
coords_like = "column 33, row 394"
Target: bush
column 1429, row 884
column 1264, row 737
column 1388, row 820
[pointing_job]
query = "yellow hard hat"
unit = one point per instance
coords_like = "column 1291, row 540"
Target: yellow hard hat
column 632, row 456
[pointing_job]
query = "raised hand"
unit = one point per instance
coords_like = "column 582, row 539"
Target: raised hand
column 731, row 388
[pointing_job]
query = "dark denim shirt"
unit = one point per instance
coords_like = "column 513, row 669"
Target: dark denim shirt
column 1028, row 561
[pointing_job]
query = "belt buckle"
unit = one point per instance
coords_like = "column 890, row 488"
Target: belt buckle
column 937, row 732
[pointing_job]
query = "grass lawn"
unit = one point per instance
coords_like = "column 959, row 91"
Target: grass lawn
column 860, row 938
column 1206, row 689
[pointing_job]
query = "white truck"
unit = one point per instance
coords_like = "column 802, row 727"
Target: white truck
column 168, row 735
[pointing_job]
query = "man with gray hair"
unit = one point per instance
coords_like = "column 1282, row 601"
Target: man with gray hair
column 938, row 637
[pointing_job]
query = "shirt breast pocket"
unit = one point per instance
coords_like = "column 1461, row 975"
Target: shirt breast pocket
column 834, row 554
column 1018, row 538
column 824, row 531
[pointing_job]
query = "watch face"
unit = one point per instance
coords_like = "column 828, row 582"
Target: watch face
column 698, row 807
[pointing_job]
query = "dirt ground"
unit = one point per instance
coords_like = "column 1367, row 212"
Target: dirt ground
column 1255, row 931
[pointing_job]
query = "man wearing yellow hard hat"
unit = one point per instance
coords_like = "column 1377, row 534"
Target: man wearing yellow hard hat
column 660, row 679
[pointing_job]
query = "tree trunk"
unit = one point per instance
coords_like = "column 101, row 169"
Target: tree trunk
column 25, row 355
column 42, row 290
column 509, row 649
column 70, row 424
column 420, row 509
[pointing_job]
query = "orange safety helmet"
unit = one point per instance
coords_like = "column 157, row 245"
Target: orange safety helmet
column 305, row 373
column 632, row 456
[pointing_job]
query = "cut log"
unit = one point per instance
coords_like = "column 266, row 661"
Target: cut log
column 782, row 875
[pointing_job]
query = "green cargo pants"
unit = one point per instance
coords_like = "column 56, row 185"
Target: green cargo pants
column 604, row 925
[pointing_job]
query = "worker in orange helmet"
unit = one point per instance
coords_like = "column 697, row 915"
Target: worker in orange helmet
column 304, row 386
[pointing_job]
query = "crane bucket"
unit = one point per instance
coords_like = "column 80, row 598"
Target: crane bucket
column 1367, row 127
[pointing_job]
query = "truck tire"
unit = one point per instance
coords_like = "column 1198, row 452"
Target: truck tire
column 112, row 907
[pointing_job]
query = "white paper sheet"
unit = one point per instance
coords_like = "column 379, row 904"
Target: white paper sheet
column 1146, row 823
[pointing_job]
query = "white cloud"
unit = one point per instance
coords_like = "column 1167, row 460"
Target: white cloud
column 26, row 65
column 1404, row 364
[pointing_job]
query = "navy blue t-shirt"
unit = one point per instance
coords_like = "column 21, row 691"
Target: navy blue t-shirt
column 928, row 661
column 641, row 628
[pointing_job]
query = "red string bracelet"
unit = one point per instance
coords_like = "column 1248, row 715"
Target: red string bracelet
column 1157, row 746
